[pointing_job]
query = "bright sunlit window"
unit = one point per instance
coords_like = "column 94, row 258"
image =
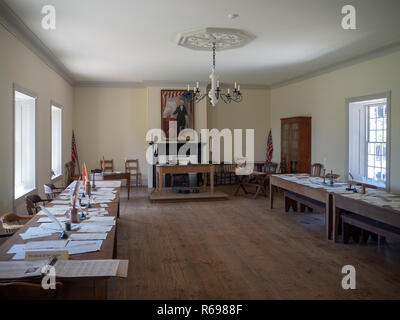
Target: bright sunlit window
column 24, row 144
column 56, row 142
column 368, row 141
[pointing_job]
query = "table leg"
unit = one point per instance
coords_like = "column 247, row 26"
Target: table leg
column 128, row 181
column 160, row 174
column 271, row 194
column 212, row 179
column 335, row 220
column 328, row 217
column 205, row 181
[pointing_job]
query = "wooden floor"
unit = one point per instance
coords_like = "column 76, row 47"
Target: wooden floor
column 237, row 249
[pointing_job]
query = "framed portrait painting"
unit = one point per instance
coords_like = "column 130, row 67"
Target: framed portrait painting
column 177, row 112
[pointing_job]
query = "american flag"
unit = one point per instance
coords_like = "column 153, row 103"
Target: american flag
column 74, row 151
column 270, row 147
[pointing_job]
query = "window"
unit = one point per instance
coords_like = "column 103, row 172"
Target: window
column 368, row 141
column 377, row 141
column 56, row 141
column 24, row 143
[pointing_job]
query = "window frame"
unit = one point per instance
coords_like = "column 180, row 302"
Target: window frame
column 57, row 105
column 32, row 94
column 384, row 95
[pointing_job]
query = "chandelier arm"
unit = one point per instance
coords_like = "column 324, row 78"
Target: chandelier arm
column 225, row 98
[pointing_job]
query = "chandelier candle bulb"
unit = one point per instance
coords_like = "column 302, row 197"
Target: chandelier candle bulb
column 218, row 84
column 239, row 87
column 235, row 85
column 188, row 87
column 229, row 91
column 197, row 84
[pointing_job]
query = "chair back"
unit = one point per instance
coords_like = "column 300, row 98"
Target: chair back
column 108, row 165
column 70, row 172
column 132, row 166
column 49, row 190
column 271, row 167
column 31, row 204
column 316, row 170
column 11, row 222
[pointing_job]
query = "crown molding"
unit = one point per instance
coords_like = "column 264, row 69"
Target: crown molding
column 13, row 24
column 108, row 84
column 393, row 47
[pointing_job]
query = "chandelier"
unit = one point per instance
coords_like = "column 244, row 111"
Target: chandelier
column 216, row 92
column 213, row 39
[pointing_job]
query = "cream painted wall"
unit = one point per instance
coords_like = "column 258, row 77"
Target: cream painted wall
column 19, row 65
column 252, row 113
column 111, row 122
column 323, row 98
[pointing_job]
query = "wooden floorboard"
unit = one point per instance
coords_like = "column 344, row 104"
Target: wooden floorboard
column 238, row 249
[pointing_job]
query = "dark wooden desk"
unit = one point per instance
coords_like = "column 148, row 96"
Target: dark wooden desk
column 78, row 288
column 120, row 176
column 318, row 194
column 179, row 169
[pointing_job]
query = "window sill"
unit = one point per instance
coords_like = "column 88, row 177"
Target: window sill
column 377, row 184
column 26, row 193
column 57, row 178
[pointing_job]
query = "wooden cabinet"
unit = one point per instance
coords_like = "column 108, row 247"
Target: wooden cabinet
column 296, row 145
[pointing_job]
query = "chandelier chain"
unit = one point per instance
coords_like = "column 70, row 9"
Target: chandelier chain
column 214, row 55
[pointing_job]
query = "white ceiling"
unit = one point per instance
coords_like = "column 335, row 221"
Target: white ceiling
column 134, row 41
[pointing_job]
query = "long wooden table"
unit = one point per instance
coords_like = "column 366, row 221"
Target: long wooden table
column 82, row 288
column 120, row 176
column 387, row 210
column 318, row 194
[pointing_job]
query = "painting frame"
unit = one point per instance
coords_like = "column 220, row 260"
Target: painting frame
column 169, row 98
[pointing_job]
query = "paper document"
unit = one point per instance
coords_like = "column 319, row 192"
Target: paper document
column 51, row 244
column 94, row 227
column 65, row 268
column 88, row 236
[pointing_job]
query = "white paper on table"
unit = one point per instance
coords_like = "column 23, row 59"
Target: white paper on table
column 55, row 227
column 76, row 247
column 103, row 205
column 98, row 222
column 86, row 268
column 36, row 232
column 46, row 219
column 94, row 227
column 20, row 269
column 88, row 236
column 60, row 201
column 50, row 244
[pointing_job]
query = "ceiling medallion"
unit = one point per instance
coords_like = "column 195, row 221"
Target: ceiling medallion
column 215, row 39
column 203, row 39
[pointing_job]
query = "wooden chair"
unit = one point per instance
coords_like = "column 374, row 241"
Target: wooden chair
column 108, row 165
column 132, row 167
column 52, row 191
column 271, row 167
column 70, row 172
column 335, row 176
column 11, row 222
column 316, row 170
column 33, row 202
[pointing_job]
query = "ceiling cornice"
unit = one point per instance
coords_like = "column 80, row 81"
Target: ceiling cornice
column 11, row 22
column 108, row 84
column 393, row 47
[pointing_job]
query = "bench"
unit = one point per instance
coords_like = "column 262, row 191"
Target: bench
column 368, row 226
column 293, row 199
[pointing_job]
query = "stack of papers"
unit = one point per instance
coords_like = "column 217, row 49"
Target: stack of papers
column 59, row 210
column 73, row 247
column 36, row 232
column 108, row 221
